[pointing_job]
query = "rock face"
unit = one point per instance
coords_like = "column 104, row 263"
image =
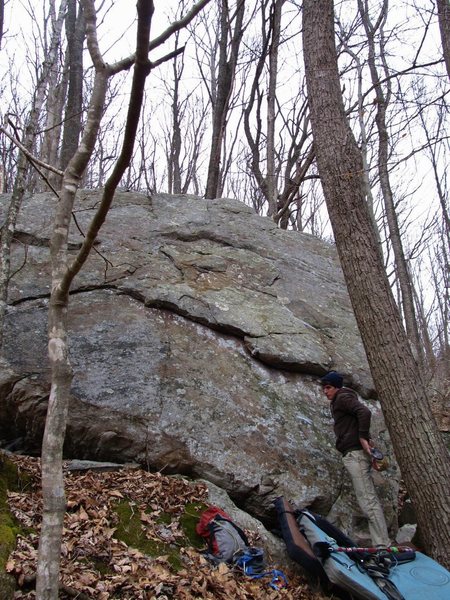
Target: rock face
column 198, row 331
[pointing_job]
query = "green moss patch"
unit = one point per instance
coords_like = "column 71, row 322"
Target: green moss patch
column 10, row 479
column 188, row 520
column 132, row 533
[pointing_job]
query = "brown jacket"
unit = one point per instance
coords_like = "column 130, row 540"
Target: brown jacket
column 351, row 420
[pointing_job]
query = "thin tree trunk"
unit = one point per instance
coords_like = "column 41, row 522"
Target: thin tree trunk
column 47, row 583
column 382, row 101
column 2, row 19
column 54, row 504
column 225, row 81
column 175, row 145
column 23, row 167
column 255, row 98
column 272, row 187
column 443, row 7
column 72, row 122
column 419, row 448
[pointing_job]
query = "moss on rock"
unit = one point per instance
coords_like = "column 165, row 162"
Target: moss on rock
column 10, row 479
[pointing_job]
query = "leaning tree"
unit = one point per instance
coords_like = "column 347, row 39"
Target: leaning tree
column 418, row 445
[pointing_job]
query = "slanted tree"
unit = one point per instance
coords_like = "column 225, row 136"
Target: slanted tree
column 383, row 98
column 418, row 445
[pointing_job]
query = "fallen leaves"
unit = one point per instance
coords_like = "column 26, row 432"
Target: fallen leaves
column 97, row 565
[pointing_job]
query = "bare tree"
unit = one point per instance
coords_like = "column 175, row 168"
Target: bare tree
column 184, row 125
column 63, row 271
column 345, row 40
column 443, row 8
column 174, row 171
column 402, row 392
column 108, row 140
column 296, row 172
column 73, row 114
column 272, row 185
column 279, row 138
column 440, row 261
column 382, row 102
column 27, row 144
column 65, row 95
column 231, row 30
column 2, row 19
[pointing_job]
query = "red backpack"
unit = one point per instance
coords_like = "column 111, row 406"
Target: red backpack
column 223, row 536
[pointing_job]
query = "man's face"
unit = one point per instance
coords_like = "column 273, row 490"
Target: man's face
column 329, row 391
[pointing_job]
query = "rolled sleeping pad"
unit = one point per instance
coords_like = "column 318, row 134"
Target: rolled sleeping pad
column 298, row 548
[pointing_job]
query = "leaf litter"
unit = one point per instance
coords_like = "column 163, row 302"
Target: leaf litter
column 96, row 565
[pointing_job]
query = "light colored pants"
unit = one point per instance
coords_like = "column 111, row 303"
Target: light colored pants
column 358, row 464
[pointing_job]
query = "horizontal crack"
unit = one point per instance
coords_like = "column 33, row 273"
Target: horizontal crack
column 28, row 239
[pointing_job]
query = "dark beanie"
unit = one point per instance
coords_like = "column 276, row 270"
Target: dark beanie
column 332, row 378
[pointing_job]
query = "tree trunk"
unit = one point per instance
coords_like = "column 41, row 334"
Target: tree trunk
column 419, row 448
column 364, row 139
column 63, row 273
column 2, row 19
column 382, row 101
column 23, row 167
column 174, row 170
column 443, row 8
column 272, row 187
column 72, row 122
column 225, row 81
column 47, row 584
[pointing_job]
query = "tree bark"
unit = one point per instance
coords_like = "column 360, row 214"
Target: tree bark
column 225, row 81
column 54, row 505
column 174, row 167
column 63, row 273
column 2, row 19
column 419, row 448
column 443, row 8
column 382, row 102
column 272, row 186
column 23, row 165
column 72, row 121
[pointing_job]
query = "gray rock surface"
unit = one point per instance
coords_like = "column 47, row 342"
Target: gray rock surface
column 198, row 331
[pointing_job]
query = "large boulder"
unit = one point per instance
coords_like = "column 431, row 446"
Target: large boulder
column 198, row 331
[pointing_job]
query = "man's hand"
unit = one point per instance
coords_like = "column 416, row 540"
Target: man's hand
column 365, row 445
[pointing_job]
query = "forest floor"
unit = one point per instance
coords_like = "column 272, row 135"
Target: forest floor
column 130, row 534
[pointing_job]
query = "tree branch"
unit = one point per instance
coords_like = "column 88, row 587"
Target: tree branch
column 28, row 154
column 177, row 25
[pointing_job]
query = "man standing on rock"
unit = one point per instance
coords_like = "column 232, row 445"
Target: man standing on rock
column 352, row 430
